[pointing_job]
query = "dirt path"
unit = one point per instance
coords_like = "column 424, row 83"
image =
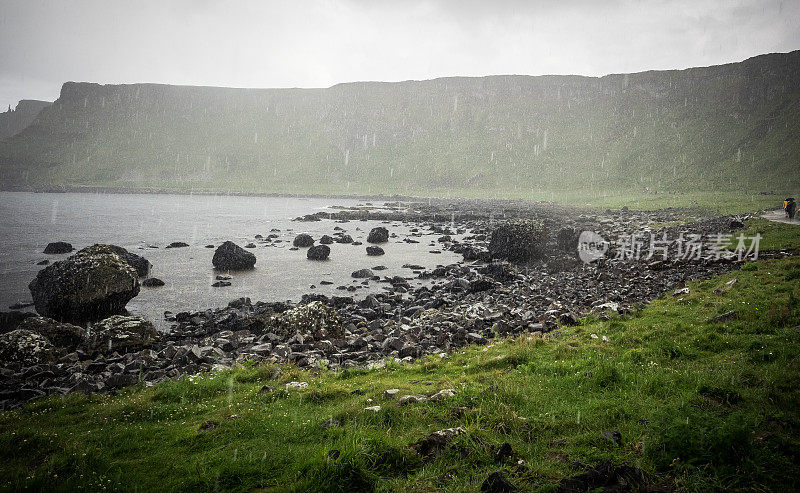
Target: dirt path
column 780, row 217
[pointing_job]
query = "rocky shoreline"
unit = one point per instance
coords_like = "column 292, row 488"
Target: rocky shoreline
column 469, row 302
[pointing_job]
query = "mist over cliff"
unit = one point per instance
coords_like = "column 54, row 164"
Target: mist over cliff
column 12, row 121
column 728, row 126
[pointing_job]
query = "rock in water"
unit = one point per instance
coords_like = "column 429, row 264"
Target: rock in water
column 25, row 347
column 230, row 256
column 378, row 235
column 362, row 273
column 89, row 285
column 58, row 247
column 303, row 240
column 141, row 264
column 121, row 334
column 374, row 251
column 318, row 252
column 61, row 335
column 177, row 244
column 152, row 282
column 326, row 240
column 520, row 240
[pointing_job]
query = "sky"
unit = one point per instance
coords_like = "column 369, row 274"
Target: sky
column 318, row 43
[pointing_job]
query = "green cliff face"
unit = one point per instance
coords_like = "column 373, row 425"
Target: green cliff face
column 724, row 127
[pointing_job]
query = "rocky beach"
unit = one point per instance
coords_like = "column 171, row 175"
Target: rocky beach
column 520, row 273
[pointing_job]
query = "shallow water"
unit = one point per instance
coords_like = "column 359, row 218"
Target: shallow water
column 29, row 221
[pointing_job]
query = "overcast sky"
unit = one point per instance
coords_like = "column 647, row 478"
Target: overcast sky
column 318, row 43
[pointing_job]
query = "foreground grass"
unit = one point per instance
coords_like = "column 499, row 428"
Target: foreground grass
column 699, row 405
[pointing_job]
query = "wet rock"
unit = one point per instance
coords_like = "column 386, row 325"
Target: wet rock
column 120, row 334
column 362, row 273
column 152, row 282
column 378, row 235
column 374, row 251
column 326, row 240
column 141, row 264
column 177, row 244
column 221, row 284
column 345, row 239
column 61, row 335
column 314, row 318
column 318, row 252
column 58, row 247
column 303, row 240
column 25, row 347
column 86, row 286
column 43, row 262
column 230, row 256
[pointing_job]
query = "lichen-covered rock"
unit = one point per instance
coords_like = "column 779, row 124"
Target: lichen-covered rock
column 314, row 318
column 230, row 256
column 25, row 347
column 378, row 235
column 61, row 335
column 141, row 264
column 520, row 240
column 121, row 334
column 90, row 285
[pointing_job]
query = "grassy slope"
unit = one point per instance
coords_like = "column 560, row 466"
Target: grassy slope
column 699, row 405
column 733, row 127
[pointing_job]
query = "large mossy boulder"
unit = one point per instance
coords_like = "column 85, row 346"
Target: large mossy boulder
column 25, row 348
column 60, row 334
column 519, row 240
column 120, row 334
column 230, row 256
column 90, row 285
column 139, row 263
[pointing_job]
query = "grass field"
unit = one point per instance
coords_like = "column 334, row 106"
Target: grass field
column 700, row 406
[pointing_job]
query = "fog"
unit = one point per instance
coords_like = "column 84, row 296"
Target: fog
column 320, row 43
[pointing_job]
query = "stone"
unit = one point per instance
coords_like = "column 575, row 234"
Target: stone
column 177, row 244
column 318, row 252
column 411, row 399
column 442, row 395
column 120, row 334
column 230, row 256
column 87, row 286
column 58, row 247
column 25, row 347
column 303, row 240
column 375, row 251
column 378, row 235
column 362, row 273
column 152, row 282
column 61, row 335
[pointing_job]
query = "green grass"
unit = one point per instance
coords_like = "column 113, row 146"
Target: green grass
column 700, row 406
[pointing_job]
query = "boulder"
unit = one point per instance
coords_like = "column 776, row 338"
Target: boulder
column 318, row 252
column 57, row 247
column 315, row 318
column 374, row 251
column 520, row 240
column 61, row 335
column 230, row 256
column 326, row 240
column 140, row 264
column 121, row 334
column 152, row 282
column 177, row 244
column 303, row 240
column 25, row 347
column 344, row 239
column 362, row 273
column 90, row 285
column 378, row 235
